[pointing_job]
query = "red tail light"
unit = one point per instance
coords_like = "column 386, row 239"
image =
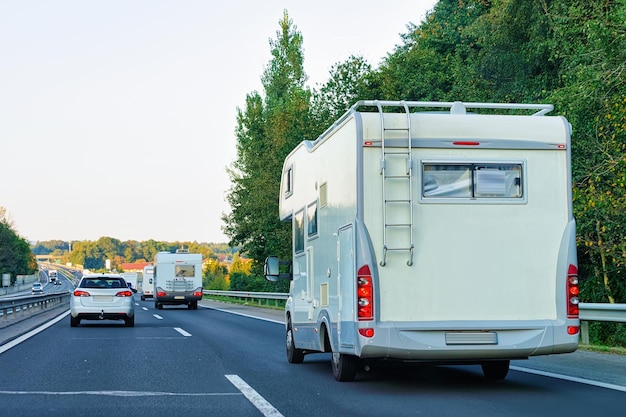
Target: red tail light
column 161, row 293
column 572, row 292
column 124, row 294
column 80, row 293
column 365, row 294
column 197, row 294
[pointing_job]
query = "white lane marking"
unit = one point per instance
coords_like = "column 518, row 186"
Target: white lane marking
column 144, row 308
column 123, row 393
column 570, row 378
column 254, row 397
column 33, row 332
column 243, row 315
column 157, row 316
column 181, row 331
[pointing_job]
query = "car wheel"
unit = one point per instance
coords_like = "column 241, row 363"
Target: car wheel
column 74, row 322
column 143, row 298
column 344, row 366
column 294, row 355
column 496, row 370
column 130, row 321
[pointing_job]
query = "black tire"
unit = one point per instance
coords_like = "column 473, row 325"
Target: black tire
column 294, row 355
column 74, row 322
column 143, row 298
column 130, row 321
column 496, row 370
column 344, row 366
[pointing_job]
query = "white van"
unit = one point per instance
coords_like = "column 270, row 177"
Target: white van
column 437, row 232
column 147, row 283
column 52, row 275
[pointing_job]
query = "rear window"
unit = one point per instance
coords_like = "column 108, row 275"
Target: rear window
column 103, row 283
column 472, row 181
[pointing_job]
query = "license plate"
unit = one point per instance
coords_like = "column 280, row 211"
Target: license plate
column 102, row 298
column 179, row 297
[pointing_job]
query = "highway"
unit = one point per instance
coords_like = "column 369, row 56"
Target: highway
column 211, row 362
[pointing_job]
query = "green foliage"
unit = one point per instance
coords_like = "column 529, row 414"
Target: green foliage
column 16, row 258
column 267, row 129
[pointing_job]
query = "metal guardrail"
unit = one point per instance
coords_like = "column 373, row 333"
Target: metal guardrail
column 17, row 308
column 588, row 311
column 258, row 296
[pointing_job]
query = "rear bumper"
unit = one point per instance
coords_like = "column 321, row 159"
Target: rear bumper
column 176, row 298
column 461, row 343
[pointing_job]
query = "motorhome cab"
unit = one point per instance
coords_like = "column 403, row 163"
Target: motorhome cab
column 436, row 232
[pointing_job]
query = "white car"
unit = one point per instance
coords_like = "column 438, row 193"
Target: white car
column 102, row 297
column 37, row 288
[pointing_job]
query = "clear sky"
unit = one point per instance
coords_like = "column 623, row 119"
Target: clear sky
column 117, row 117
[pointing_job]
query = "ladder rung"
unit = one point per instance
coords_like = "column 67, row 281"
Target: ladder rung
column 389, row 249
column 398, row 225
column 398, row 200
column 397, row 177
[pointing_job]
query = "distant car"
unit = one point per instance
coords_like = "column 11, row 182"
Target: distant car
column 57, row 282
column 102, row 297
column 37, row 288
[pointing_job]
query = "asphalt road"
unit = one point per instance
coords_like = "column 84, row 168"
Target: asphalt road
column 209, row 362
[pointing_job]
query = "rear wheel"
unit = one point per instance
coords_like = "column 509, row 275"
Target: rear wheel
column 74, row 322
column 294, row 355
column 496, row 370
column 344, row 366
column 130, row 321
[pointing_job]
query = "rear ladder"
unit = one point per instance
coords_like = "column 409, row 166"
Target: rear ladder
column 396, row 168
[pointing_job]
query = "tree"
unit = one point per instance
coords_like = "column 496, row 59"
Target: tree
column 16, row 258
column 267, row 130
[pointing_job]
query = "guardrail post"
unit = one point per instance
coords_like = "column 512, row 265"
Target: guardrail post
column 584, row 332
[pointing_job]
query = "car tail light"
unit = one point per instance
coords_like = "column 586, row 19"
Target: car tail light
column 81, row 293
column 572, row 292
column 124, row 294
column 197, row 293
column 161, row 293
column 365, row 294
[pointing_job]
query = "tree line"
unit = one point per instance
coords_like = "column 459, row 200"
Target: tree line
column 16, row 258
column 570, row 53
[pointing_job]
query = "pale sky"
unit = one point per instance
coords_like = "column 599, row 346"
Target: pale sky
column 117, row 117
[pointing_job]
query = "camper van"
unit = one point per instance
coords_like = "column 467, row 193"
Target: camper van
column 436, row 232
column 177, row 279
column 147, row 282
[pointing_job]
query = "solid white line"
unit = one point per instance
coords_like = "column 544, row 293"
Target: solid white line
column 157, row 316
column 33, row 332
column 244, row 315
column 570, row 378
column 181, row 331
column 259, row 402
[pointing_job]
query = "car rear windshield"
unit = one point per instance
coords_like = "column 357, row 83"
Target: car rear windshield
column 103, row 283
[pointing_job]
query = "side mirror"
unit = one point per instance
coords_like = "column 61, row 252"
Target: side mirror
column 271, row 269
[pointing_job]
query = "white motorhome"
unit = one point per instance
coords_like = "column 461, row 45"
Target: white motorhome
column 177, row 279
column 429, row 235
column 147, row 282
